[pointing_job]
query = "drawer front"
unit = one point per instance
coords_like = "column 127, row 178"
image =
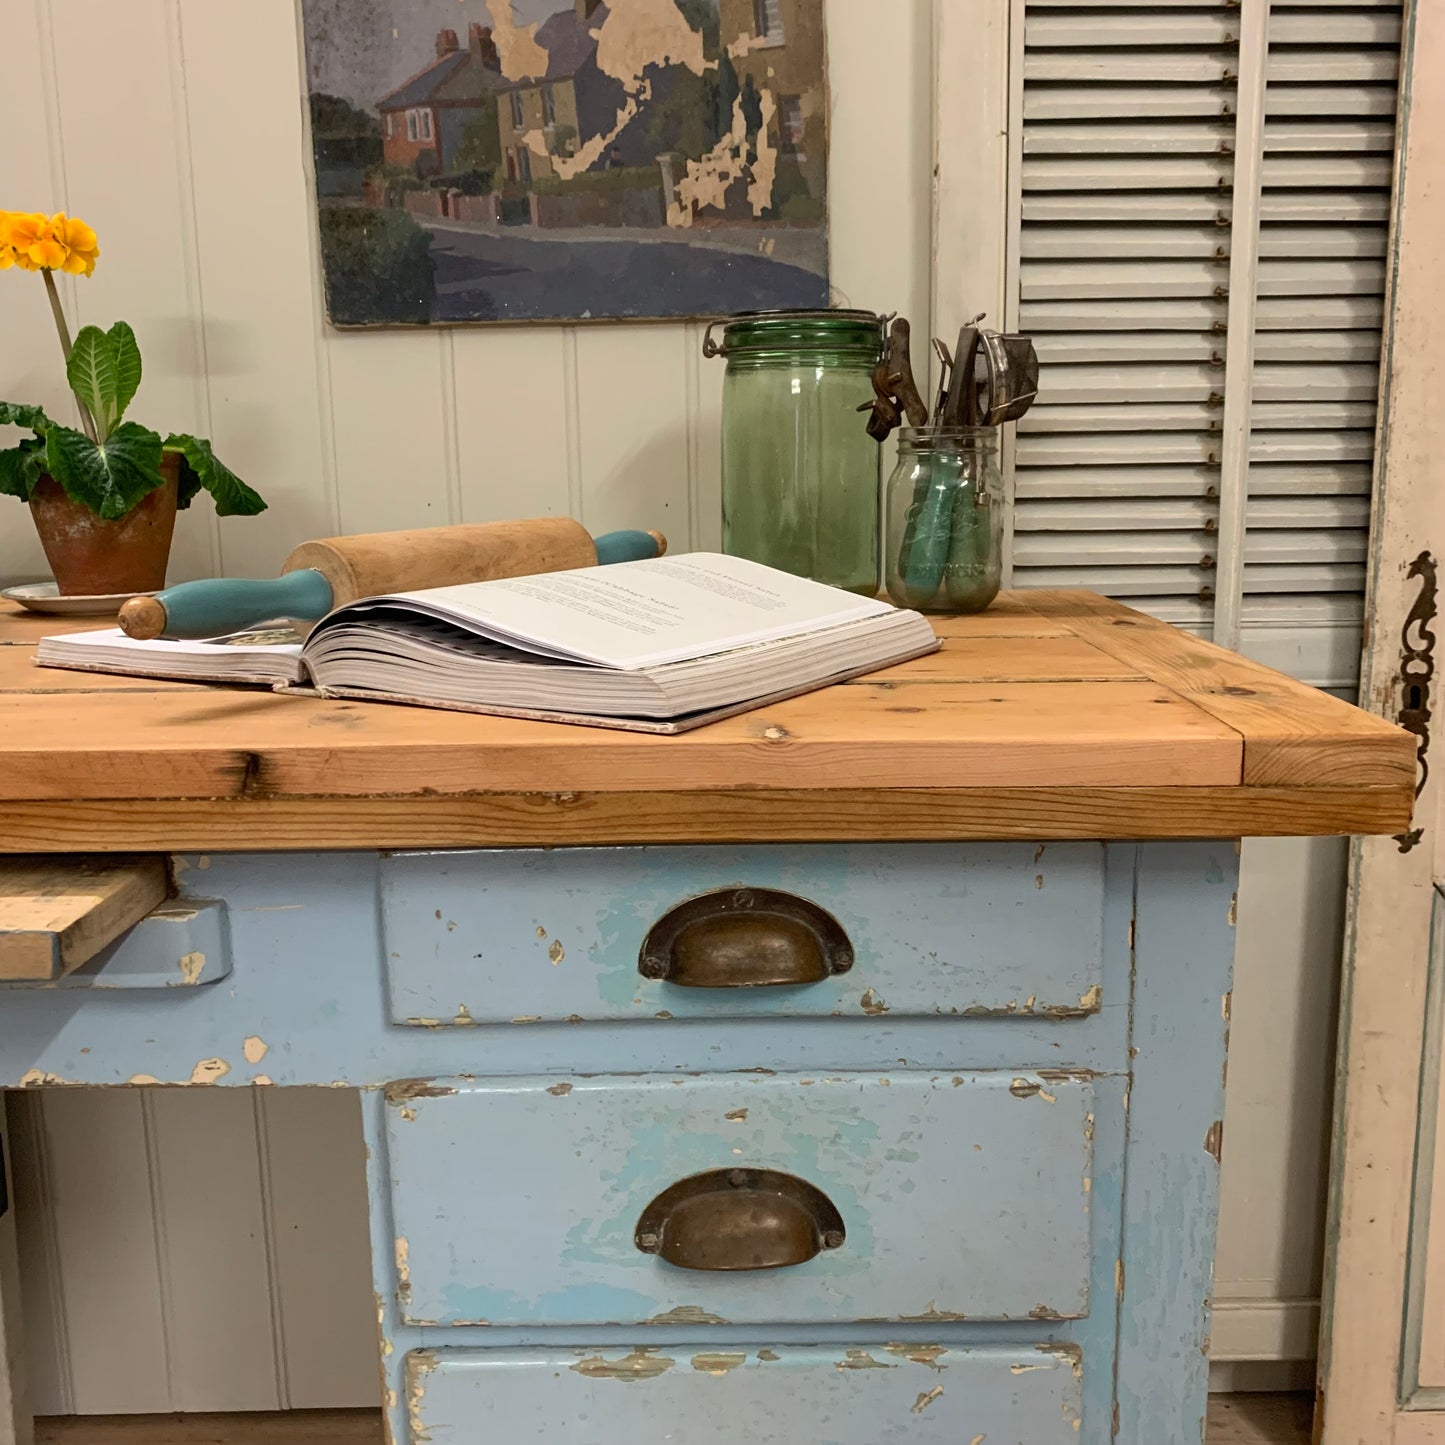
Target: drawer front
column 956, row 1196
column 780, row 1395
column 526, row 936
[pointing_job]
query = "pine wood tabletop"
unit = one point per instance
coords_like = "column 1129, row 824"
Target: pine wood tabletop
column 1053, row 714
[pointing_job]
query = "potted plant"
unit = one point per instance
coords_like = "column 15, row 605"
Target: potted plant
column 103, row 498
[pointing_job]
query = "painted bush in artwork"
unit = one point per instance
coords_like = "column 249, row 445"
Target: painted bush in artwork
column 535, row 160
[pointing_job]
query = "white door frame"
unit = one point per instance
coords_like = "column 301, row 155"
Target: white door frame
column 1369, row 1358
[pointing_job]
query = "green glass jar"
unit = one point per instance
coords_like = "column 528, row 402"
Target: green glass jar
column 943, row 527
column 799, row 471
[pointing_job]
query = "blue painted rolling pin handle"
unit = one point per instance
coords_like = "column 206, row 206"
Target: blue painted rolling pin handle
column 217, row 606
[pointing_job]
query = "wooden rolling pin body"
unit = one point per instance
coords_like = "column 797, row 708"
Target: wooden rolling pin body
column 333, row 571
column 378, row 562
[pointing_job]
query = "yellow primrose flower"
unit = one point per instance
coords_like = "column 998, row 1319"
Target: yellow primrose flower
column 51, row 243
column 25, row 232
column 82, row 250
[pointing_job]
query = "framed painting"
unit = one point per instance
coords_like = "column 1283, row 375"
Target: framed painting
column 568, row 160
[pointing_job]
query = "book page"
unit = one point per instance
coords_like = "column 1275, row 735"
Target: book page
column 641, row 614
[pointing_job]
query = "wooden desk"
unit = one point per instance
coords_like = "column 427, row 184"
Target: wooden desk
column 1009, row 979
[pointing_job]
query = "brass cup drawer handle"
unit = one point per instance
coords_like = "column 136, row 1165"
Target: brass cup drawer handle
column 745, row 938
column 737, row 1219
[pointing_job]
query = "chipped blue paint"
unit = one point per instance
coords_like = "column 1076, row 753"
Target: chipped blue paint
column 299, row 939
column 1002, row 1231
column 490, row 936
column 1184, row 956
column 182, row 944
column 768, row 1395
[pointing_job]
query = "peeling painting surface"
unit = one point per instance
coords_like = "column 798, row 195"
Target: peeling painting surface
column 770, row 1396
column 502, row 160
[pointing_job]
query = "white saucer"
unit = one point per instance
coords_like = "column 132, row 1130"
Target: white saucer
column 45, row 597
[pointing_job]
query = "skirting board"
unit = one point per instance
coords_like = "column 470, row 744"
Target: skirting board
column 1263, row 1344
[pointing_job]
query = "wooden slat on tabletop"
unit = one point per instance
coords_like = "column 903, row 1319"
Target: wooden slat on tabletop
column 1008, row 659
column 735, row 815
column 18, row 673
column 1292, row 733
column 900, row 735
column 19, row 627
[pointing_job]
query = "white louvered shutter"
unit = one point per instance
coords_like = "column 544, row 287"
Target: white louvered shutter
column 1129, row 121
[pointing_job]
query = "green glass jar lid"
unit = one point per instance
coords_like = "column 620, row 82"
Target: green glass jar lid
column 828, row 331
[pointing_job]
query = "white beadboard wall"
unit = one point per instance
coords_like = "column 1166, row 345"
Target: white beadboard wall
column 206, row 1250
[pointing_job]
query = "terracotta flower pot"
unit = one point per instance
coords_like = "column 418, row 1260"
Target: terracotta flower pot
column 91, row 557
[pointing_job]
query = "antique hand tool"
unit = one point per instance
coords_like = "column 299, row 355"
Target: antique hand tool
column 327, row 573
column 895, row 392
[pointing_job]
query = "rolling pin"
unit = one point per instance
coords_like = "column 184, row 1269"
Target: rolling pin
column 333, row 571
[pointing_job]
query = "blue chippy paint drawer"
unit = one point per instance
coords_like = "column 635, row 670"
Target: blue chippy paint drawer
column 785, row 1395
column 533, row 1201
column 921, row 929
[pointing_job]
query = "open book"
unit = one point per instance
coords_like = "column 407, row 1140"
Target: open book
column 659, row 646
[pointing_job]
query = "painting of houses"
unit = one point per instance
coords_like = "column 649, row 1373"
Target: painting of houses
column 564, row 160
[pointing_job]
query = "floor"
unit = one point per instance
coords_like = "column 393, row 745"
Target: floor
column 1233, row 1420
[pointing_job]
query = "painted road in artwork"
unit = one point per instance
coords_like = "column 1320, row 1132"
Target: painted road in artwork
column 516, row 277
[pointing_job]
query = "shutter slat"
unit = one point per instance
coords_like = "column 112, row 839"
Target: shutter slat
column 1046, row 207
column 1295, row 65
column 1149, row 138
column 1042, row 281
column 1087, row 243
column 1164, row 448
column 1149, row 382
column 1152, row 315
column 1202, row 173
column 1324, row 313
column 1149, row 67
column 1273, row 382
column 1123, row 348
column 1192, row 514
column 1263, row 547
column 1063, row 242
column 1331, row 100
column 1052, row 30
column 1339, row 136
column 1348, row 171
column 1344, row 479
column 1164, row 416
column 1378, row 27
column 1322, row 278
column 1129, row 102
column 1324, row 206
column 1313, row 242
column 1324, row 415
column 1041, row 484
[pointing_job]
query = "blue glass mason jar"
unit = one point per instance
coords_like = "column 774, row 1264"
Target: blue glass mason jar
column 800, row 474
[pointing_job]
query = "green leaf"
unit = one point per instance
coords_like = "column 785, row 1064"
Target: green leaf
column 91, row 373
column 20, row 468
column 127, row 365
column 110, row 478
column 14, row 414
column 201, row 467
